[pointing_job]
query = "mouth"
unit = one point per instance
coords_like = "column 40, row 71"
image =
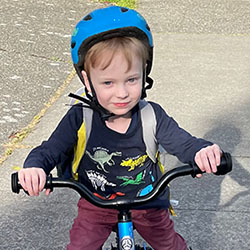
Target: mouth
column 121, row 104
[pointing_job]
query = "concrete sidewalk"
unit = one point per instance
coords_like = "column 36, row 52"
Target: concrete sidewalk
column 201, row 72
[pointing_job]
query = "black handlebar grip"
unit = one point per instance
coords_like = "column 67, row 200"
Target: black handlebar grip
column 15, row 186
column 224, row 167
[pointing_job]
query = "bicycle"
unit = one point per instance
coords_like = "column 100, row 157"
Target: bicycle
column 125, row 237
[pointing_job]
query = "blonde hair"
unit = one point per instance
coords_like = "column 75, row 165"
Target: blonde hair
column 102, row 53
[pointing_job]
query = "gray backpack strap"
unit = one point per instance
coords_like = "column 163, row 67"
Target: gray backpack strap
column 80, row 92
column 87, row 118
column 83, row 134
column 149, row 123
column 87, row 112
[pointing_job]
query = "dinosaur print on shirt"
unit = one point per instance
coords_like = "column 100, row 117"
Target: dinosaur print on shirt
column 133, row 163
column 102, row 157
column 128, row 180
column 98, row 180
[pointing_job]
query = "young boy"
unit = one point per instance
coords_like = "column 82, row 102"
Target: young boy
column 112, row 52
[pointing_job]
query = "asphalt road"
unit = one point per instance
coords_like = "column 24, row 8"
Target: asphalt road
column 201, row 71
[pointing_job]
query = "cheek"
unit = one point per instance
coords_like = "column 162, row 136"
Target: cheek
column 103, row 96
column 137, row 92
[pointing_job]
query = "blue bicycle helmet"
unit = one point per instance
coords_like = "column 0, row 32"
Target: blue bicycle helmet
column 106, row 23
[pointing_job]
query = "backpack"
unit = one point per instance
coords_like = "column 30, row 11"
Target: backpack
column 148, row 119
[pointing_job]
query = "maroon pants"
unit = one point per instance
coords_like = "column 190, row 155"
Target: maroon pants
column 93, row 226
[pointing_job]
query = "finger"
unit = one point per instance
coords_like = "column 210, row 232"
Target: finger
column 22, row 180
column 200, row 165
column 218, row 154
column 211, row 161
column 35, row 183
column 198, row 162
column 29, row 184
column 42, row 180
column 205, row 161
column 214, row 157
column 47, row 192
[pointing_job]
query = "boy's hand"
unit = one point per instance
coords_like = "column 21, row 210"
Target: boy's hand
column 33, row 180
column 208, row 159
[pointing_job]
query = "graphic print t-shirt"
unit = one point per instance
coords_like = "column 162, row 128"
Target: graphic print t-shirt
column 116, row 164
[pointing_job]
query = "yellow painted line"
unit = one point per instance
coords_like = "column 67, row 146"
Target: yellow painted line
column 19, row 136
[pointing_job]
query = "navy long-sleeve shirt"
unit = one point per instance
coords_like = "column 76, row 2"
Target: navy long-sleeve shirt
column 116, row 164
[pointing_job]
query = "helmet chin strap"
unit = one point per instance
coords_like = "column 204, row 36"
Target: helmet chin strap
column 105, row 114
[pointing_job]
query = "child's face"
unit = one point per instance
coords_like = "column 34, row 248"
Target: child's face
column 117, row 89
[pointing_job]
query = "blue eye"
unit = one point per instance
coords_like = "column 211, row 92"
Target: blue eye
column 132, row 79
column 107, row 83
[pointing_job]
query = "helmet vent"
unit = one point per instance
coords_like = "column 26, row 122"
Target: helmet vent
column 73, row 44
column 147, row 27
column 87, row 18
column 124, row 9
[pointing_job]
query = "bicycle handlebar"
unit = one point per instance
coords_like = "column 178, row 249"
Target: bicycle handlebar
column 121, row 203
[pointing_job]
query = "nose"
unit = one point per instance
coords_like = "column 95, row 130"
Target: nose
column 121, row 91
